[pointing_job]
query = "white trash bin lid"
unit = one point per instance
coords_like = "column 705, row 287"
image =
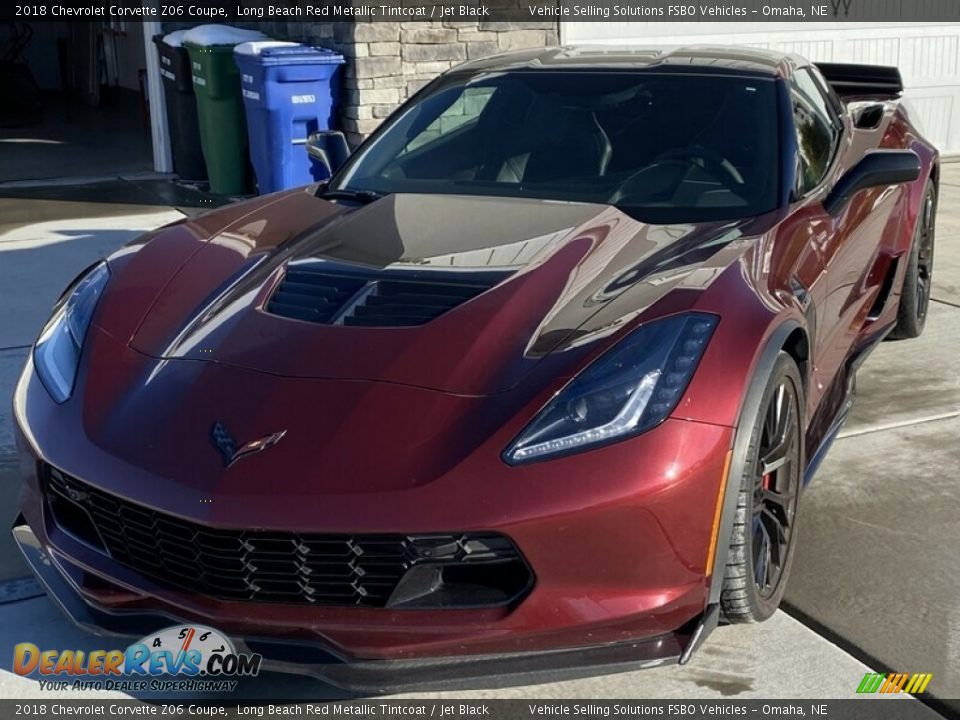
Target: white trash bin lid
column 255, row 47
column 210, row 35
column 174, row 39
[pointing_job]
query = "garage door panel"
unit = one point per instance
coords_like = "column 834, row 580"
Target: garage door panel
column 930, row 60
column 928, row 55
column 820, row 49
column 935, row 108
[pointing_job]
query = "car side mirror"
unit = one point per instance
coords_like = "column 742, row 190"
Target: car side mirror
column 876, row 169
column 328, row 151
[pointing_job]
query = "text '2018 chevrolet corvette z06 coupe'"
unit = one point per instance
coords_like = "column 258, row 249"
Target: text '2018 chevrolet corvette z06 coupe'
column 535, row 380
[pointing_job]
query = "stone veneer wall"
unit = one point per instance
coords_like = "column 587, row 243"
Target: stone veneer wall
column 389, row 61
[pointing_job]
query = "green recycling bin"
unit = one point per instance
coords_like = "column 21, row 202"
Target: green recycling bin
column 216, row 84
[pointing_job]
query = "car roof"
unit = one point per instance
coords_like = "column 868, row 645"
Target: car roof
column 686, row 58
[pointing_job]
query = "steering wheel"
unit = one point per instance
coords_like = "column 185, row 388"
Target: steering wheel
column 712, row 162
column 682, row 159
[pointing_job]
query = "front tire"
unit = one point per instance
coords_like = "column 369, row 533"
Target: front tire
column 762, row 542
column 915, row 295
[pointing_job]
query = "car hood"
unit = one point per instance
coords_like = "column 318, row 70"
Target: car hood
column 544, row 277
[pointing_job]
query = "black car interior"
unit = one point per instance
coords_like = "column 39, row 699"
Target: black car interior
column 635, row 140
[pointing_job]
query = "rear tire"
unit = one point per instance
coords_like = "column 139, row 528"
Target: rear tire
column 915, row 294
column 762, row 541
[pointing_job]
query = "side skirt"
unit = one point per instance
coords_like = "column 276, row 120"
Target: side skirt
column 846, row 405
column 813, row 464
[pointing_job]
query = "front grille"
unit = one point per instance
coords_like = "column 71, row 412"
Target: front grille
column 372, row 299
column 283, row 567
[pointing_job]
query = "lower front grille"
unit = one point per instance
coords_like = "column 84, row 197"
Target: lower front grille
column 373, row 570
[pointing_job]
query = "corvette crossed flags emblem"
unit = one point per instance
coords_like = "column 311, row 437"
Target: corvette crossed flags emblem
column 229, row 449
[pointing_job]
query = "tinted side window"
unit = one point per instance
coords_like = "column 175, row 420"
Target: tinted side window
column 816, row 129
column 463, row 111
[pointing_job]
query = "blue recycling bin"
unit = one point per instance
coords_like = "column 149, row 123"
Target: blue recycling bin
column 289, row 92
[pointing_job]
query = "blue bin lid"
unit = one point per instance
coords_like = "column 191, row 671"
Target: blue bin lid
column 281, row 53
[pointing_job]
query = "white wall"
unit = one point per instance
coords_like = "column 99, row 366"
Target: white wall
column 928, row 54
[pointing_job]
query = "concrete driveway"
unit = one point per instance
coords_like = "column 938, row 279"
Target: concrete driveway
column 875, row 580
column 43, row 245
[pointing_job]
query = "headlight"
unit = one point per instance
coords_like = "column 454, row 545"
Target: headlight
column 57, row 352
column 629, row 389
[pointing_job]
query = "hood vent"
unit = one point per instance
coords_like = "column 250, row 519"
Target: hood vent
column 313, row 296
column 373, row 300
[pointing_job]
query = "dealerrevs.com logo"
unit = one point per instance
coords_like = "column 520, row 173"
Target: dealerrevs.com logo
column 182, row 658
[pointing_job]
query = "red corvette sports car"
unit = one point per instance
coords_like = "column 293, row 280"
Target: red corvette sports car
column 534, row 381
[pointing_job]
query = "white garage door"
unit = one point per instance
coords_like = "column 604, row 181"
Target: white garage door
column 928, row 55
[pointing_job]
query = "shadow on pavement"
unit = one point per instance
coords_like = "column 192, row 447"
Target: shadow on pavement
column 187, row 198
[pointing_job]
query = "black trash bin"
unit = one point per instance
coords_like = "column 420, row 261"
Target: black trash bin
column 181, row 108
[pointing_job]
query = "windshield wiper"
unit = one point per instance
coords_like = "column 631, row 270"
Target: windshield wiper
column 363, row 197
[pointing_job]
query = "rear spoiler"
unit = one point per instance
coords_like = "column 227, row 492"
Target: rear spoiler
column 846, row 79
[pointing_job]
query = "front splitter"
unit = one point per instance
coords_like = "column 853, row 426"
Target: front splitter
column 369, row 676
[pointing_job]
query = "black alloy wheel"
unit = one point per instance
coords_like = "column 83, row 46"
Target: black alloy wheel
column 770, row 478
column 776, row 488
column 924, row 242
column 917, row 288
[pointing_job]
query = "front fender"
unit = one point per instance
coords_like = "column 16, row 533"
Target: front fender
column 754, row 326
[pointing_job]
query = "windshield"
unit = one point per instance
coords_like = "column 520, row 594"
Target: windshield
column 662, row 147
